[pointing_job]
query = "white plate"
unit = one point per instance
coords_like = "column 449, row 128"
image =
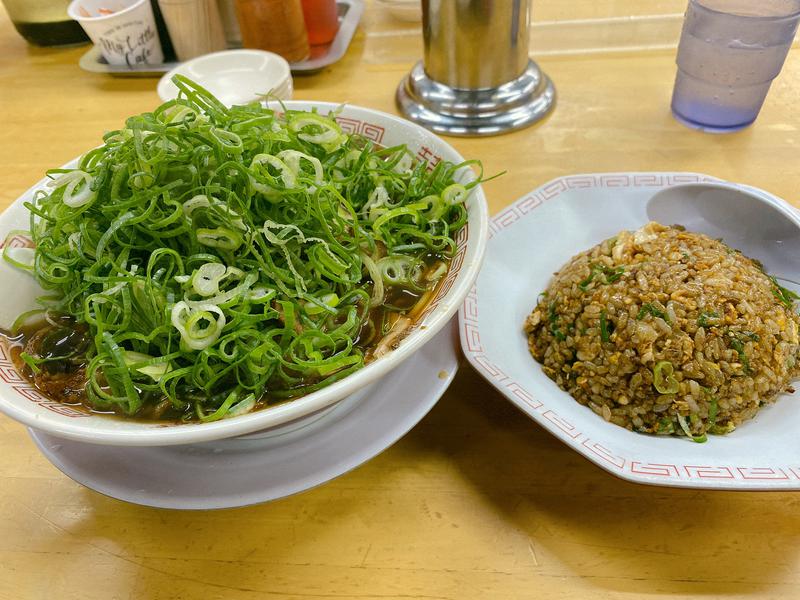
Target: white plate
column 239, row 472
column 531, row 240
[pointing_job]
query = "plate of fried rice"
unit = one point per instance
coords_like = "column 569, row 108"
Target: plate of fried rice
column 663, row 355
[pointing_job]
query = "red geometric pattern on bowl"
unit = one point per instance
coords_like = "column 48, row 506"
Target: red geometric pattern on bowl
column 471, row 334
column 427, row 155
column 20, row 385
column 452, row 274
column 371, row 131
column 17, row 241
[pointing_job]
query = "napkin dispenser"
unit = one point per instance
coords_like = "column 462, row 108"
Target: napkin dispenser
column 476, row 77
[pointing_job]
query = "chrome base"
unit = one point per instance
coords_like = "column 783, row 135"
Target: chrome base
column 491, row 111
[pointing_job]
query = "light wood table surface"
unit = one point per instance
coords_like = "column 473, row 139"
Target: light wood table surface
column 477, row 501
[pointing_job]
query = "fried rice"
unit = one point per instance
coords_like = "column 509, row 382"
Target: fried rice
column 664, row 331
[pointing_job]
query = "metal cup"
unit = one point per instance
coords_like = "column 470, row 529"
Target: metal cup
column 476, row 77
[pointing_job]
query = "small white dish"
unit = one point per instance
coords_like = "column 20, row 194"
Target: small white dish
column 22, row 402
column 234, row 76
column 549, row 226
column 229, row 473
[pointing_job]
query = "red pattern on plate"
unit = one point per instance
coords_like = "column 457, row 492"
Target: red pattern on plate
column 762, row 473
column 562, row 424
column 493, row 370
column 470, row 327
column 656, row 469
column 709, row 472
column 514, row 388
column 604, row 453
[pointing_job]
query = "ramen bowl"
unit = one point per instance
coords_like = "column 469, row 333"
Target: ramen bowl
column 21, row 401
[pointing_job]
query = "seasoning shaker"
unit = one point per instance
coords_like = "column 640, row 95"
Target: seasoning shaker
column 195, row 27
column 476, row 77
column 274, row 25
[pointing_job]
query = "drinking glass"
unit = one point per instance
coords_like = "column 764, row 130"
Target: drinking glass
column 729, row 53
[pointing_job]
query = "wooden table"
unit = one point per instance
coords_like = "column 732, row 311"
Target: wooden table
column 477, row 501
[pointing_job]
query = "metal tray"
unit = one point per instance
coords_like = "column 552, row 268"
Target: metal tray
column 350, row 12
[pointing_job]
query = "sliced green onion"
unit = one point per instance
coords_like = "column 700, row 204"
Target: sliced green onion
column 77, row 188
column 687, row 430
column 293, row 158
column 220, row 237
column 325, row 303
column 605, row 332
column 663, row 378
column 650, row 309
column 30, row 361
column 259, row 169
column 454, row 194
column 153, row 367
column 21, row 258
column 207, row 278
column 316, row 129
column 199, row 327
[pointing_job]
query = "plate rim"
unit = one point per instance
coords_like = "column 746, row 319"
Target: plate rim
column 724, row 478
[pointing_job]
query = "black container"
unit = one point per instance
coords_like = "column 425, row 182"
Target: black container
column 61, row 33
column 45, row 23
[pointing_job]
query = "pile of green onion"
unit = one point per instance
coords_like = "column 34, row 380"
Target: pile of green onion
column 223, row 256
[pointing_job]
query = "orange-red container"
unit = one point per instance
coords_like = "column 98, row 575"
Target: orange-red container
column 322, row 21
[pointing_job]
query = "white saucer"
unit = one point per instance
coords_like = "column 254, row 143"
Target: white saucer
column 234, row 76
column 239, row 472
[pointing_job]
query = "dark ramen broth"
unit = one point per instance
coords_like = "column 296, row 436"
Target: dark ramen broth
column 63, row 343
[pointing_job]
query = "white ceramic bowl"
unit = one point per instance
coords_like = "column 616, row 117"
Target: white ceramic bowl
column 234, row 76
column 20, row 401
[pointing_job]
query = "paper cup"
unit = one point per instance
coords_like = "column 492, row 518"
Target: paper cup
column 124, row 30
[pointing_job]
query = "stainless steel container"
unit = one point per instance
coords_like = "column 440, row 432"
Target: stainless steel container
column 476, row 77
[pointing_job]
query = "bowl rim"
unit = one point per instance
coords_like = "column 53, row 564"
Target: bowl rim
column 163, row 435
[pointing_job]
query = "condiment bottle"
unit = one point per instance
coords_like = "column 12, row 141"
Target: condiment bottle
column 322, row 21
column 274, row 25
column 195, row 26
column 230, row 23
